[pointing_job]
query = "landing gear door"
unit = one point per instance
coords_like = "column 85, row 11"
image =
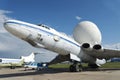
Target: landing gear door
column 74, row 57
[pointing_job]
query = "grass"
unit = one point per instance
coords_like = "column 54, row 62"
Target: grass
column 107, row 65
column 59, row 66
column 111, row 65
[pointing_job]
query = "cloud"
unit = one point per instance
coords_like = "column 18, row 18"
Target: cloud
column 78, row 17
column 12, row 47
column 3, row 17
column 113, row 46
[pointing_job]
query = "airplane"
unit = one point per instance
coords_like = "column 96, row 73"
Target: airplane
column 85, row 46
column 35, row 66
column 30, row 58
column 12, row 63
column 115, row 60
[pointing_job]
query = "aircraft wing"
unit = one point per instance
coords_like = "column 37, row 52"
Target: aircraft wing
column 103, row 54
column 60, row 58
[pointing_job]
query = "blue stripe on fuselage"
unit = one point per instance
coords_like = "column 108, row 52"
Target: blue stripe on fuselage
column 45, row 32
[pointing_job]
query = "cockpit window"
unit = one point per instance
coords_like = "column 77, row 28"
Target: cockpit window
column 44, row 26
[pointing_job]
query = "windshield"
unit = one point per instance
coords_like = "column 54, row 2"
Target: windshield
column 41, row 25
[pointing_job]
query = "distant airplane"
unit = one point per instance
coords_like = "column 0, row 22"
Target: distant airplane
column 30, row 58
column 12, row 63
column 85, row 47
column 35, row 65
column 115, row 60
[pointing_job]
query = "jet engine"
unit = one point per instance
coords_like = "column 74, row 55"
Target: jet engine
column 87, row 32
column 98, row 47
column 86, row 46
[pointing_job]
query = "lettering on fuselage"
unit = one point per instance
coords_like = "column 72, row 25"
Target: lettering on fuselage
column 39, row 37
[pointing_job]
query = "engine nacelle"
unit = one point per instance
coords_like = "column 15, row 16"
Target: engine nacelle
column 87, row 32
column 98, row 47
column 86, row 46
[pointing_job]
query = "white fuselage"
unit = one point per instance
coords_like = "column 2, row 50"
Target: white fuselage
column 43, row 36
column 9, row 60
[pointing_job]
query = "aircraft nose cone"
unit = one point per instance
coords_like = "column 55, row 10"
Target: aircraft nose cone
column 14, row 28
column 6, row 26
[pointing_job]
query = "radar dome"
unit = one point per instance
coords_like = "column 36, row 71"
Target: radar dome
column 87, row 32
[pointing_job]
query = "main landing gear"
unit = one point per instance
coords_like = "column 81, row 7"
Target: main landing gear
column 75, row 67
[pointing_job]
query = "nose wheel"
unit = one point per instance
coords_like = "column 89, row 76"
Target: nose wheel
column 75, row 67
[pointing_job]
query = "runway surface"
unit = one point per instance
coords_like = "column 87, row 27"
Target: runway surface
column 58, row 74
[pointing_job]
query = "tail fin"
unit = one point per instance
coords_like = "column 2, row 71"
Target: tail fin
column 30, row 58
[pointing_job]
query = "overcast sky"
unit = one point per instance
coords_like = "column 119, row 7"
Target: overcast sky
column 63, row 15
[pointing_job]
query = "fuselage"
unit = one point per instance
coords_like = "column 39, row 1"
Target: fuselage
column 43, row 36
column 8, row 60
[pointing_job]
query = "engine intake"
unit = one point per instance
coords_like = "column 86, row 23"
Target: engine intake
column 86, row 45
column 97, row 47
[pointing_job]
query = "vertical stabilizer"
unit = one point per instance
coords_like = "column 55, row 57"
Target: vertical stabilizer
column 30, row 58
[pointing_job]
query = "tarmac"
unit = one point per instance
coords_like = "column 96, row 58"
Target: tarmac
column 58, row 74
